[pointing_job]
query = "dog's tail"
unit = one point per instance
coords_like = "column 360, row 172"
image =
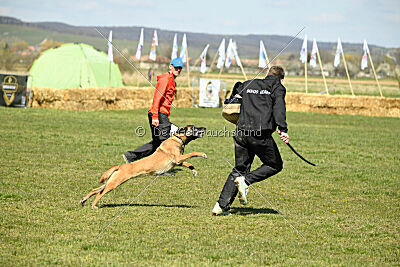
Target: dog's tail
column 107, row 174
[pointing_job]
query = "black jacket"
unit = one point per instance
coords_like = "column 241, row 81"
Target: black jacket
column 263, row 105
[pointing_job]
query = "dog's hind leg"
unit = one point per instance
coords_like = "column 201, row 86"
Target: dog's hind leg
column 117, row 178
column 108, row 187
column 93, row 192
column 190, row 166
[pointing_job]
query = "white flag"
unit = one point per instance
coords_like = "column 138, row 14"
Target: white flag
column 221, row 54
column 236, row 55
column 339, row 50
column 364, row 61
column 314, row 51
column 154, row 44
column 110, row 48
column 229, row 54
column 140, row 45
column 303, row 51
column 262, row 59
column 203, row 56
column 174, row 53
column 182, row 54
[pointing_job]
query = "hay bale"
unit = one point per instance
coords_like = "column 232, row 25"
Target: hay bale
column 92, row 105
column 133, row 98
column 339, row 102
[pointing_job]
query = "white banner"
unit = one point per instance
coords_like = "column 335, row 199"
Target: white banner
column 262, row 59
column 209, row 93
column 364, row 60
column 140, row 45
column 154, row 44
column 229, row 54
column 174, row 53
column 110, row 48
column 236, row 55
column 221, row 54
column 303, row 51
column 182, row 54
column 203, row 55
column 314, row 51
column 339, row 50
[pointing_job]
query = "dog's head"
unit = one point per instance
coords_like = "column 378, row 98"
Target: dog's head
column 190, row 133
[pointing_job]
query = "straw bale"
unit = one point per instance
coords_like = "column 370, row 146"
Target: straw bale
column 133, row 98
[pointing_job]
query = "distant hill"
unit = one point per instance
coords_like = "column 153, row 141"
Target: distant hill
column 127, row 38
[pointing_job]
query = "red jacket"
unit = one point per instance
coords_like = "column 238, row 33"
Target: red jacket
column 163, row 95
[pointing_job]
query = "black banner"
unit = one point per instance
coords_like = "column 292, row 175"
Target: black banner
column 13, row 90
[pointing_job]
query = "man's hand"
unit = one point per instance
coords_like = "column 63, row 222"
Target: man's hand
column 155, row 122
column 284, row 136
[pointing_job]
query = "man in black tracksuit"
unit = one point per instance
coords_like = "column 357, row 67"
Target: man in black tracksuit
column 262, row 111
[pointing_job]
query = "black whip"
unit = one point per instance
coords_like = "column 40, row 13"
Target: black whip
column 300, row 156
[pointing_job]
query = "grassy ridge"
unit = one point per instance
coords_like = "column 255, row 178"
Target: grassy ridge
column 346, row 207
column 34, row 36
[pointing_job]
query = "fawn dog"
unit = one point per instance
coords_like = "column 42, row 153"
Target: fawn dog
column 168, row 155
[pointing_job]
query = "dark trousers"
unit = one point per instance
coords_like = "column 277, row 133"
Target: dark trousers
column 246, row 147
column 159, row 134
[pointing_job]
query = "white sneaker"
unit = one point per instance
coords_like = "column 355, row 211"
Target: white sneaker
column 243, row 189
column 217, row 211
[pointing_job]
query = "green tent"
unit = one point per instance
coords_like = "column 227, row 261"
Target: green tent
column 74, row 66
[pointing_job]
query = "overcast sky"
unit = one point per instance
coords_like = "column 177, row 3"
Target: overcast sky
column 378, row 21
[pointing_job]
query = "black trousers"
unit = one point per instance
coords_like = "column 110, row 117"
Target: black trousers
column 246, row 147
column 159, row 134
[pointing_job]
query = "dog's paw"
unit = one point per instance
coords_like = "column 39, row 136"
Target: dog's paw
column 194, row 173
column 204, row 155
column 95, row 207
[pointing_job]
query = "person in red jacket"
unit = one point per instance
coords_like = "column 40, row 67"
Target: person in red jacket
column 159, row 112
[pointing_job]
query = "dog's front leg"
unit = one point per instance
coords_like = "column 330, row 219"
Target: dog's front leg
column 180, row 159
column 190, row 166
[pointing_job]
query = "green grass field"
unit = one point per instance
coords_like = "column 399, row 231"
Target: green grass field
column 347, row 207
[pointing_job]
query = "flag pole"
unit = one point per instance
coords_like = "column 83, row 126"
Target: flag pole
column 215, row 57
column 109, row 74
column 188, row 72
column 151, row 81
column 347, row 73
column 137, row 77
column 376, row 77
column 222, row 67
column 244, row 74
column 220, row 71
column 266, row 58
column 181, row 84
column 196, row 62
column 305, row 72
column 323, row 74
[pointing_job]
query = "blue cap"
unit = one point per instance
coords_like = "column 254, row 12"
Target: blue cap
column 177, row 62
